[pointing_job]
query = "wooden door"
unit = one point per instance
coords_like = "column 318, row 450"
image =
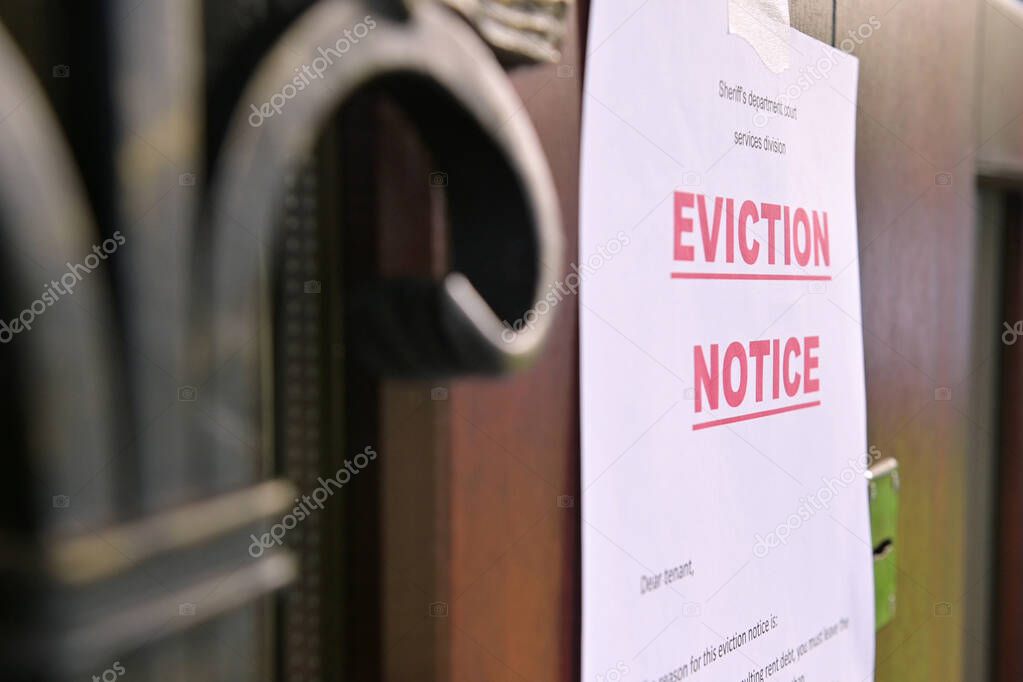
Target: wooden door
column 480, row 554
column 479, row 537
column 927, row 332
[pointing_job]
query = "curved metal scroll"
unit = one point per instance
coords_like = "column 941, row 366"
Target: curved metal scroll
column 472, row 120
column 62, row 348
column 78, row 574
column 56, row 339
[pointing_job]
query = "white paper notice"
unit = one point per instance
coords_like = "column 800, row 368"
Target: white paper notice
column 725, row 521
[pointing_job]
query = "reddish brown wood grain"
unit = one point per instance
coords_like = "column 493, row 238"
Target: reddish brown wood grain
column 917, row 234
column 514, row 451
column 461, row 564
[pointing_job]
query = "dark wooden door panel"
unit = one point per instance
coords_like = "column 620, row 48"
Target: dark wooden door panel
column 916, row 202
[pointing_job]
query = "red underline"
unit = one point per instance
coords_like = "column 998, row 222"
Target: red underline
column 744, row 276
column 754, row 415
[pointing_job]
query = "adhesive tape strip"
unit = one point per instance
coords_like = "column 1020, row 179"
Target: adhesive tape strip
column 764, row 24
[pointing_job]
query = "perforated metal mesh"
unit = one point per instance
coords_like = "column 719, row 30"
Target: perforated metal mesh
column 298, row 395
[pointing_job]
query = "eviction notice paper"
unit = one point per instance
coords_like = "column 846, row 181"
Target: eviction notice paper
column 725, row 520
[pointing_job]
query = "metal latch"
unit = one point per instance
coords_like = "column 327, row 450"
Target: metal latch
column 883, row 484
